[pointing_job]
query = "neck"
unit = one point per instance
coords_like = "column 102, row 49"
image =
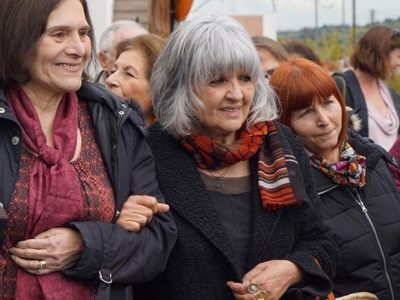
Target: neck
column 44, row 102
column 332, row 156
column 365, row 78
column 149, row 120
column 239, row 169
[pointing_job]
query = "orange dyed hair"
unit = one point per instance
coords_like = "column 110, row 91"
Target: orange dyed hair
column 297, row 83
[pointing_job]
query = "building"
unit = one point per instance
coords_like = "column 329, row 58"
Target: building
column 255, row 15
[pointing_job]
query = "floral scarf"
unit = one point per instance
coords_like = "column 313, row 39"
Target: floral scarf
column 350, row 170
column 278, row 171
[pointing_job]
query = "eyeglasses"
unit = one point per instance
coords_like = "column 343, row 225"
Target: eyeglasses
column 268, row 73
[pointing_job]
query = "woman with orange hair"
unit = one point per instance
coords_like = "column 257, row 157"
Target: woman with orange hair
column 363, row 214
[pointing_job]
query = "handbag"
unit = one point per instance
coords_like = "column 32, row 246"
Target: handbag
column 359, row 296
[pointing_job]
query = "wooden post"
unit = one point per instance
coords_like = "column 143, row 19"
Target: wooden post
column 160, row 17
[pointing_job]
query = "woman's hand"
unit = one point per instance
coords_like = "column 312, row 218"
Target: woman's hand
column 60, row 248
column 273, row 277
column 138, row 211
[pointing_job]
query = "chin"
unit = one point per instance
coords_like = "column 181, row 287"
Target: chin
column 73, row 86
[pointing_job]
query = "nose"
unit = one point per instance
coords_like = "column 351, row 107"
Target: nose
column 112, row 80
column 234, row 92
column 76, row 45
column 323, row 120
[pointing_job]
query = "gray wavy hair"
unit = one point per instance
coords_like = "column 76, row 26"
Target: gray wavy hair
column 195, row 53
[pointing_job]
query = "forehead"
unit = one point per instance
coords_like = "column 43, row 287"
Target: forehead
column 132, row 58
column 267, row 59
column 68, row 13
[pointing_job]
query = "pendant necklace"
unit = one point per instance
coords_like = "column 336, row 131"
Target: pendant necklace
column 218, row 184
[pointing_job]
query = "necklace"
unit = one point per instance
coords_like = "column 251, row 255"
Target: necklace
column 218, row 184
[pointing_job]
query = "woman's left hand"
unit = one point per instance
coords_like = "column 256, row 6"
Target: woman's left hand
column 273, row 277
column 53, row 250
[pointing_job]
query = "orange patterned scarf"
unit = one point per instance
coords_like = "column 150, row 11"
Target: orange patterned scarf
column 279, row 179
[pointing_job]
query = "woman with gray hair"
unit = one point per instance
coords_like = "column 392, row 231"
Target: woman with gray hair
column 238, row 184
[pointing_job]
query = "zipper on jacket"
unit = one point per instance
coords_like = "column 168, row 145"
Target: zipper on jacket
column 356, row 196
column 122, row 117
column 327, row 190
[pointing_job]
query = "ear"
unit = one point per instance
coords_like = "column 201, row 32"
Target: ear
column 103, row 60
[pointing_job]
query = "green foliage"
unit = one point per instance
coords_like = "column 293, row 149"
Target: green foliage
column 395, row 82
column 332, row 39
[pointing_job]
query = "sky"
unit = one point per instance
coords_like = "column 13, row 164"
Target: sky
column 297, row 14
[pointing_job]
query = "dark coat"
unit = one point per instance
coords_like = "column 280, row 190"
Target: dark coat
column 202, row 261
column 109, row 249
column 395, row 152
column 356, row 100
column 369, row 236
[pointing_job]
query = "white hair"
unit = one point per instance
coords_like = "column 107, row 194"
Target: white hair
column 107, row 37
column 197, row 51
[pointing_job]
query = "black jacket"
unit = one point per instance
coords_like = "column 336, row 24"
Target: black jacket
column 109, row 249
column 356, row 100
column 367, row 229
column 202, row 261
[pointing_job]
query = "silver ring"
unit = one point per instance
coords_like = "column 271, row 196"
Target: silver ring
column 42, row 263
column 256, row 292
column 252, row 288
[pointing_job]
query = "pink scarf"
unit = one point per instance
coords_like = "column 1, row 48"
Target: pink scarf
column 54, row 189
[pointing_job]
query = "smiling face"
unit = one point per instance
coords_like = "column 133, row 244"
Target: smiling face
column 319, row 127
column 227, row 101
column 129, row 79
column 61, row 52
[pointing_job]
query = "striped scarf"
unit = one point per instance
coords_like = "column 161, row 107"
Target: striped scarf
column 279, row 179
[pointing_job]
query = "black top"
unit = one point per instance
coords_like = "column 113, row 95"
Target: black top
column 233, row 206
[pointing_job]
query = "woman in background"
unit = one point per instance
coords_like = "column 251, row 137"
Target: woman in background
column 132, row 70
column 375, row 59
column 271, row 54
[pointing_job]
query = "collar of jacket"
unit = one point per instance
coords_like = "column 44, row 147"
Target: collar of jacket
column 373, row 152
column 94, row 92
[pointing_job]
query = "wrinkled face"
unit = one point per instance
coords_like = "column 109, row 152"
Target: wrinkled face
column 62, row 51
column 394, row 59
column 319, row 126
column 129, row 79
column 268, row 62
column 227, row 101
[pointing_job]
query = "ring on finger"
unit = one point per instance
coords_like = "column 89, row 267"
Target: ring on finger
column 256, row 292
column 42, row 264
column 252, row 288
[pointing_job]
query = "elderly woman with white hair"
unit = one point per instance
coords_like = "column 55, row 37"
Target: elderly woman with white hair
column 238, row 183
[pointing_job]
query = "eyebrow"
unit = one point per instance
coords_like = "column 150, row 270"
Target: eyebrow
column 64, row 27
column 126, row 67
